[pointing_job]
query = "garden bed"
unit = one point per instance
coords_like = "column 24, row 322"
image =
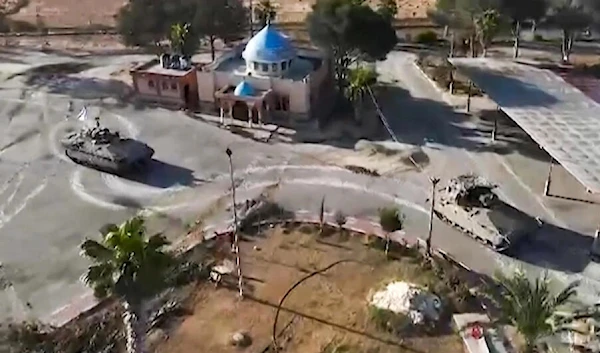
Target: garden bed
column 327, row 311
column 438, row 69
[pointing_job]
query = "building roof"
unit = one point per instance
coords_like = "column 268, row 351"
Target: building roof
column 559, row 117
column 269, row 46
column 244, row 89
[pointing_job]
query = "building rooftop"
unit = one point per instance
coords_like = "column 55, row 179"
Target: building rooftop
column 300, row 68
column 269, row 46
column 558, row 117
column 155, row 67
column 244, row 89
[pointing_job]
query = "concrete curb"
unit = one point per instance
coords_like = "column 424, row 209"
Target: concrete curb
column 441, row 91
column 87, row 302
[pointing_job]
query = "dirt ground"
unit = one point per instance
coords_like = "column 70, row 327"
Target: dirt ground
column 328, row 308
column 82, row 13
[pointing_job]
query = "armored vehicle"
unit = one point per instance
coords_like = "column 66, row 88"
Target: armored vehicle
column 469, row 203
column 105, row 150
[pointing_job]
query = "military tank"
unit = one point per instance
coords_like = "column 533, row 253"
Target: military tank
column 468, row 202
column 105, row 150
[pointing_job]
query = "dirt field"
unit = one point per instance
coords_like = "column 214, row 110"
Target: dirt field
column 328, row 309
column 83, row 13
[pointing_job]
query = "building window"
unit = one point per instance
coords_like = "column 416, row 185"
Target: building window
column 284, row 65
column 165, row 85
column 274, row 67
column 151, row 84
column 264, row 67
column 174, row 86
column 255, row 66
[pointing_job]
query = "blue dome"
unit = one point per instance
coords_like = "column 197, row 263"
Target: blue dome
column 244, row 89
column 269, row 46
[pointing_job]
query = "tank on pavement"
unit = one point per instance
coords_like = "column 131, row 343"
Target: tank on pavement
column 468, row 202
column 102, row 149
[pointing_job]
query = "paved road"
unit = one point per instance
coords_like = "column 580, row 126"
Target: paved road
column 417, row 114
column 48, row 205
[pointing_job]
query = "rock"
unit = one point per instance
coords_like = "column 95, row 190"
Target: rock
column 241, row 339
column 154, row 338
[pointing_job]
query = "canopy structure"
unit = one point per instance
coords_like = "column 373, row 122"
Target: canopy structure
column 558, row 117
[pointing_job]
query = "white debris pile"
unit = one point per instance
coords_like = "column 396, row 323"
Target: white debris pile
column 408, row 299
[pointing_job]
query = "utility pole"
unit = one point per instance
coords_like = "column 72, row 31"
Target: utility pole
column 434, row 182
column 236, row 243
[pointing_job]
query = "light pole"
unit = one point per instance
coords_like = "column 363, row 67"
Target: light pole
column 434, row 182
column 236, row 244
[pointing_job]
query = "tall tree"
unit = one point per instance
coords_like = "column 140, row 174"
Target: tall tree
column 220, row 19
column 266, row 12
column 487, row 26
column 344, row 29
column 388, row 9
column 360, row 80
column 181, row 40
column 572, row 17
column 444, row 14
column 519, row 11
column 528, row 306
column 143, row 23
column 128, row 265
column 464, row 15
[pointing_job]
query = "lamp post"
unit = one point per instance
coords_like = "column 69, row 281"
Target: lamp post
column 236, row 244
column 434, row 182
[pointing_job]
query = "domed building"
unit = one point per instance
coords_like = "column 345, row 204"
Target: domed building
column 266, row 78
column 269, row 53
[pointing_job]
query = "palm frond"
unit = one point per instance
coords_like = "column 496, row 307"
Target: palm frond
column 95, row 251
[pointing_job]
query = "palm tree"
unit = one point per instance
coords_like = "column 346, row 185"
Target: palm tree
column 529, row 306
column 179, row 38
column 360, row 79
column 390, row 220
column 266, row 12
column 131, row 267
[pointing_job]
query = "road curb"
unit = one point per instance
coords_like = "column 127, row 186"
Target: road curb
column 86, row 302
column 441, row 91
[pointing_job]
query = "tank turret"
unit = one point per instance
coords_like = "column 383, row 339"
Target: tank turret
column 468, row 202
column 100, row 148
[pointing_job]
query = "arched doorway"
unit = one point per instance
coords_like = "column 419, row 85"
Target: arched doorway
column 239, row 111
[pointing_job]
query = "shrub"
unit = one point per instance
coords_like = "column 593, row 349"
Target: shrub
column 391, row 219
column 427, row 37
column 538, row 37
column 387, row 320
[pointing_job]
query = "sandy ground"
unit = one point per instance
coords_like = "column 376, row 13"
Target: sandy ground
column 82, row 13
column 327, row 308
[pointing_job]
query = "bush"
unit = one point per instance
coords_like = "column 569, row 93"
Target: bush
column 427, row 37
column 391, row 219
column 387, row 320
column 538, row 37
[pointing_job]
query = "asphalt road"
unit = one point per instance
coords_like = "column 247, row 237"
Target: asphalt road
column 48, row 205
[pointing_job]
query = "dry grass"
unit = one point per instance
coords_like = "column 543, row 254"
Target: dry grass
column 82, row 13
column 327, row 311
